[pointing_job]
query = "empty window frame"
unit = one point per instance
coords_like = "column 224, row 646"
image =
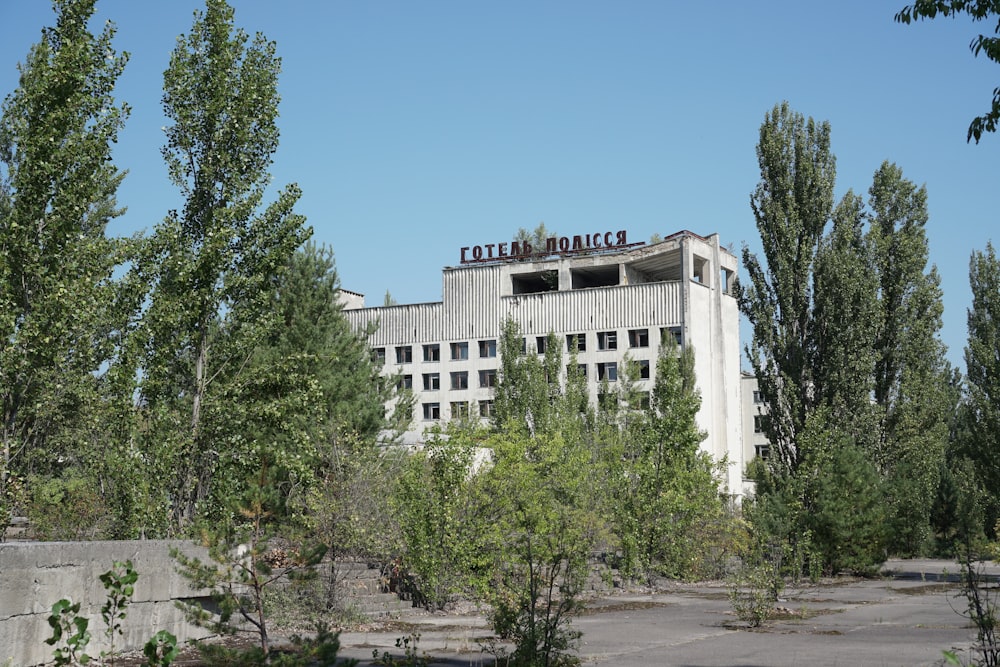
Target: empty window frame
column 607, row 340
column 378, row 355
column 432, row 381
column 759, row 423
column 672, row 332
column 432, row 352
column 405, row 382
column 460, row 351
column 459, row 409
column 460, row 380
column 580, row 368
column 644, row 372
column 404, row 354
column 576, row 342
column 486, row 408
column 762, row 451
column 638, row 337
column 642, row 401
column 533, row 283
column 757, row 397
column 432, row 411
column 488, row 348
column 488, row 378
column 607, row 370
column 540, row 344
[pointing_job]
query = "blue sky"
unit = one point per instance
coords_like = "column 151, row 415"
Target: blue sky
column 416, row 128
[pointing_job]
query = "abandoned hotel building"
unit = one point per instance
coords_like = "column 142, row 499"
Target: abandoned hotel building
column 597, row 292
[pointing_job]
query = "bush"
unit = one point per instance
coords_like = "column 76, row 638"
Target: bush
column 66, row 508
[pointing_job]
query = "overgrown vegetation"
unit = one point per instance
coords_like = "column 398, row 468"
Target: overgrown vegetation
column 203, row 381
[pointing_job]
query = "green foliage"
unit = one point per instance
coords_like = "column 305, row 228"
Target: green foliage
column 411, row 656
column 982, row 360
column 65, row 508
column 753, row 591
column 119, row 582
column 211, row 268
column 161, row 649
column 437, row 524
column 57, row 287
column 69, row 628
column 241, row 569
column 538, row 529
column 977, row 10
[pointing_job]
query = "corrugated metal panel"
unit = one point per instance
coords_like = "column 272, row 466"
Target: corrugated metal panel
column 419, row 322
column 471, row 309
column 648, row 304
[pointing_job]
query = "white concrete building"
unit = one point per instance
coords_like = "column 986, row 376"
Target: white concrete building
column 599, row 292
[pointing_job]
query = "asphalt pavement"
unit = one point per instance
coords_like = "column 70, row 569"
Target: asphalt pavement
column 907, row 618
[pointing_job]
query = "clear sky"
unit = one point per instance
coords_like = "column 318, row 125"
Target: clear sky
column 417, row 127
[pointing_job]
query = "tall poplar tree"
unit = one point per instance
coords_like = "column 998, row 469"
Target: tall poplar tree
column 982, row 360
column 212, row 265
column 792, row 205
column 911, row 374
column 57, row 195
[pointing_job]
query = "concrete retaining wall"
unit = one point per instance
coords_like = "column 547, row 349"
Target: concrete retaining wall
column 33, row 576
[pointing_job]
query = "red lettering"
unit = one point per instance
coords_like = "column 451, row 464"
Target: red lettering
column 563, row 243
column 501, row 249
column 464, row 260
column 526, row 249
column 477, row 252
column 577, row 242
column 489, row 249
column 551, row 245
column 597, row 240
column 621, row 238
column 607, row 239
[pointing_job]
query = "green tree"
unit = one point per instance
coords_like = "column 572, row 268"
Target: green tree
column 977, row 10
column 664, row 492
column 213, row 265
column 792, row 205
column 982, row 361
column 57, row 195
column 911, row 374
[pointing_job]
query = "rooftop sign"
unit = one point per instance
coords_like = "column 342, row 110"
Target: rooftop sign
column 554, row 245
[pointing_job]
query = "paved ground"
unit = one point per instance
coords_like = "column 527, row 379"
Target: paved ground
column 905, row 619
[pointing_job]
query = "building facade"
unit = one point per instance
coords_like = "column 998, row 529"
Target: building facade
column 599, row 293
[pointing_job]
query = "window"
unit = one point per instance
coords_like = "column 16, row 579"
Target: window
column 460, row 350
column 757, row 397
column 459, row 409
column 540, row 342
column 643, row 369
column 607, row 371
column 378, row 355
column 580, row 368
column 642, row 400
column 759, row 423
column 432, row 381
column 638, row 337
column 762, row 451
column 486, row 408
column 405, row 382
column 432, row 352
column 488, row 348
column 404, row 354
column 576, row 342
column 460, row 380
column 674, row 332
column 607, row 340
column 488, row 378
column 432, row 411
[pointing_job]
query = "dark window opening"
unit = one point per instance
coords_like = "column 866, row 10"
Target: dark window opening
column 533, row 283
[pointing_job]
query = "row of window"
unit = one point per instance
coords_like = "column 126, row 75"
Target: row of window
column 488, row 378
column 606, row 340
column 459, row 409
